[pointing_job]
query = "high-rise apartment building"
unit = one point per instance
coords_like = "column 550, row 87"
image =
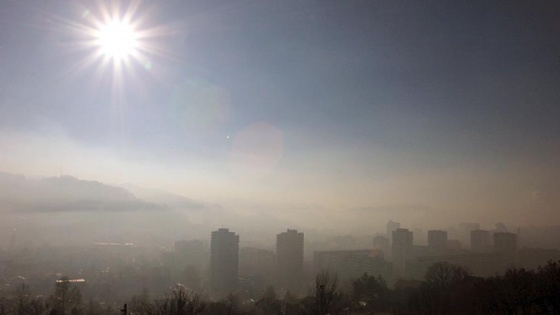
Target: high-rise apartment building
column 352, row 264
column 224, row 261
column 289, row 253
column 402, row 250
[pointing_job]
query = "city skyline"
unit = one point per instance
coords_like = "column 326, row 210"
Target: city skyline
column 167, row 275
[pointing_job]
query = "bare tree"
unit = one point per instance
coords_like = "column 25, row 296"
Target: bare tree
column 438, row 293
column 325, row 297
column 22, row 299
column 518, row 294
column 180, row 301
column 269, row 303
column 548, row 287
column 141, row 305
column 370, row 293
column 443, row 275
column 24, row 303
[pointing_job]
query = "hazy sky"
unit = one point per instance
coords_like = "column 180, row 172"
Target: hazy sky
column 413, row 110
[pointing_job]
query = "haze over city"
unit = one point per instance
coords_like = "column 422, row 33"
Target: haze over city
column 347, row 111
column 146, row 124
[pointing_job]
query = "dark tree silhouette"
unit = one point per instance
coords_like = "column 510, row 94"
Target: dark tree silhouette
column 370, row 294
column 438, row 292
column 141, row 305
column 269, row 303
column 548, row 288
column 228, row 306
column 325, row 297
column 443, row 275
column 180, row 301
column 22, row 301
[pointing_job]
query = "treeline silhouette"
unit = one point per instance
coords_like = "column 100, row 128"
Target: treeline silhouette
column 446, row 289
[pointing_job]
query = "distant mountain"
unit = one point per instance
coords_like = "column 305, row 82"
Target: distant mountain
column 64, row 194
column 166, row 198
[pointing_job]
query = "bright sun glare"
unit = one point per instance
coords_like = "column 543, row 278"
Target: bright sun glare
column 117, row 40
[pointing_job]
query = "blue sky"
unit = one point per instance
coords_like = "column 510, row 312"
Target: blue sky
column 338, row 103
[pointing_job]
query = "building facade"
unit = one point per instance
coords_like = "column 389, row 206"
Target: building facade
column 224, row 261
column 352, row 264
column 401, row 251
column 289, row 253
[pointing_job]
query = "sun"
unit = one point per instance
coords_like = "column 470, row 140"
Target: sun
column 117, row 40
